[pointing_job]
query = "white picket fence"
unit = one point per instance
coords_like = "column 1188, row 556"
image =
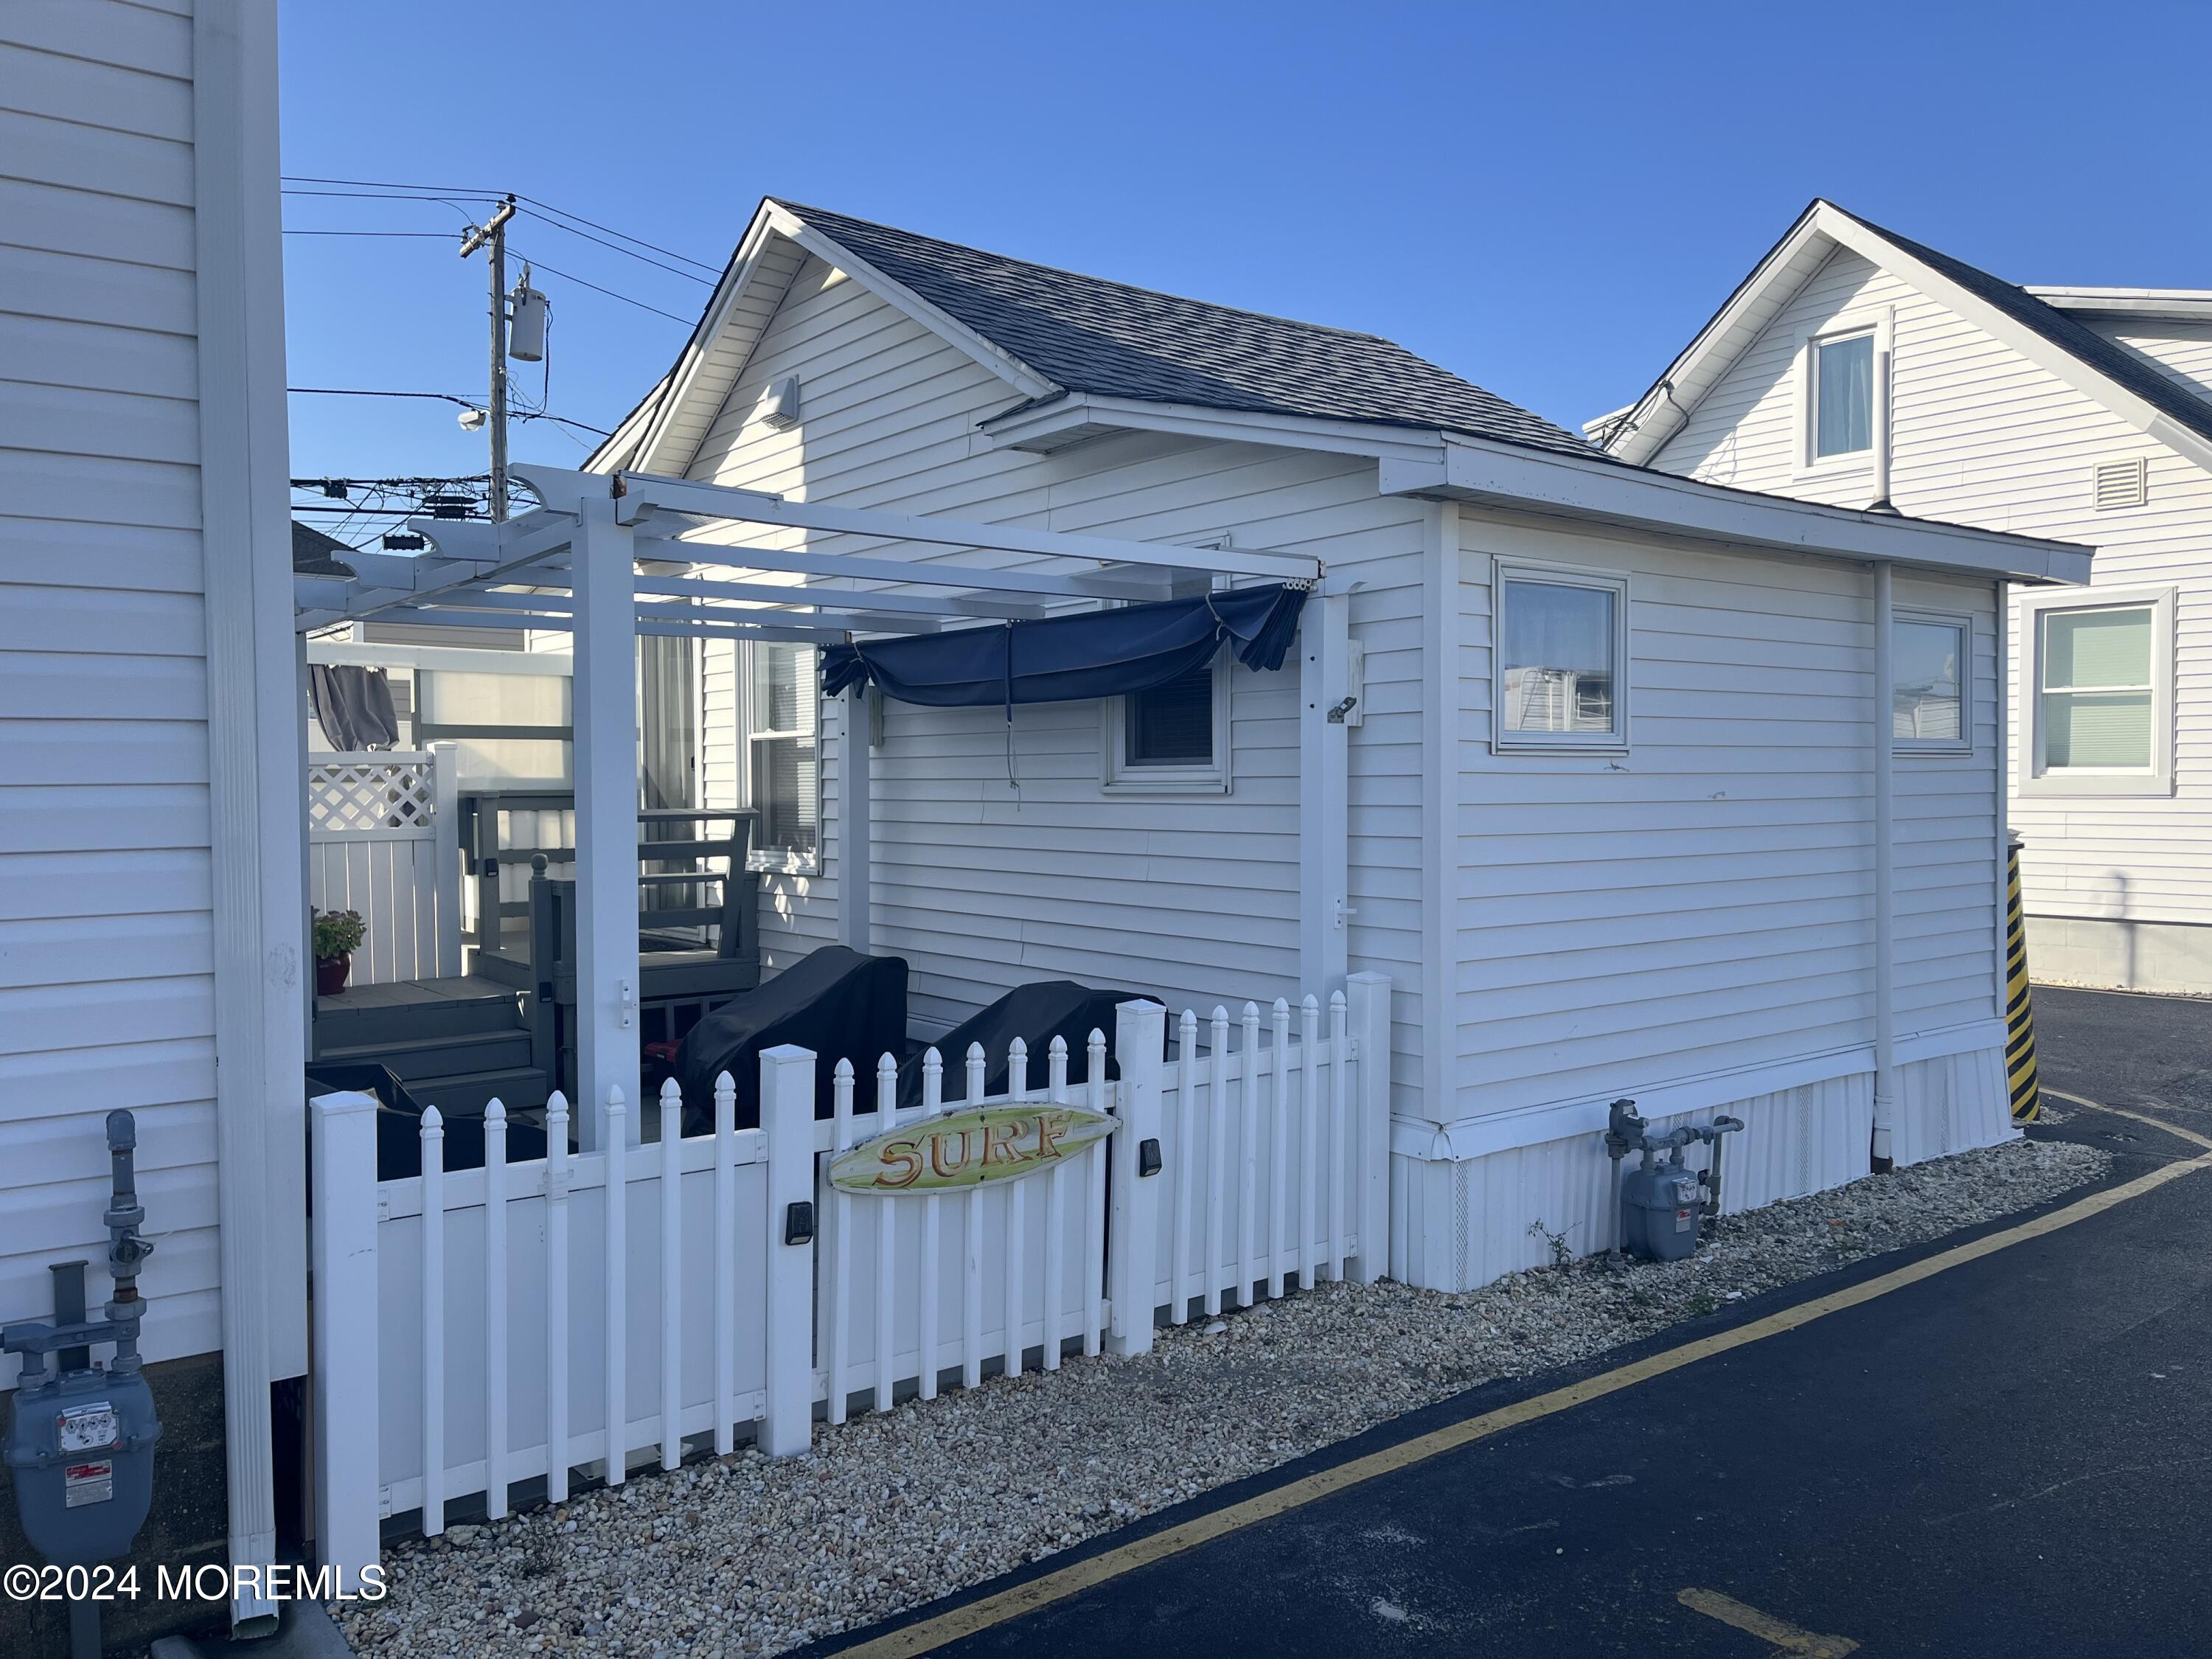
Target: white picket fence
column 382, row 840
column 462, row 1318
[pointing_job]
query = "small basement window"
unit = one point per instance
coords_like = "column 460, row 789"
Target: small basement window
column 1929, row 653
column 1172, row 737
column 1560, row 681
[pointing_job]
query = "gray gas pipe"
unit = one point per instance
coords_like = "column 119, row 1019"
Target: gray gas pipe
column 1662, row 1203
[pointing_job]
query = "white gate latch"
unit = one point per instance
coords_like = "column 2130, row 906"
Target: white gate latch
column 626, row 1003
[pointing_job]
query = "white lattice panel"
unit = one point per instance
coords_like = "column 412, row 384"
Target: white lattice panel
column 372, row 795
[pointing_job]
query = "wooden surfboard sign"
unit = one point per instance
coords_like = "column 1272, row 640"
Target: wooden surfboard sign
column 971, row 1147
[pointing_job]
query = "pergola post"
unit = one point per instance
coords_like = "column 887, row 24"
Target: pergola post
column 1324, row 797
column 853, row 857
column 604, row 717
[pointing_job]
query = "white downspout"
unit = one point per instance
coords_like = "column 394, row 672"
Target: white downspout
column 1885, row 878
column 1882, row 503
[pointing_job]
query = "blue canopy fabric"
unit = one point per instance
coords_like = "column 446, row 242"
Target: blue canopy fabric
column 1098, row 653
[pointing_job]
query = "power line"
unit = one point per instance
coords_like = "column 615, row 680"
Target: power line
column 543, row 207
column 566, row 276
column 436, row 235
column 439, row 397
column 640, row 258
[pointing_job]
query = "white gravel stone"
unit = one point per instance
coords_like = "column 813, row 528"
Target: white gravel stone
column 744, row 1555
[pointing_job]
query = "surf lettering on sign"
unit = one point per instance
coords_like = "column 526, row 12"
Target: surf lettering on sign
column 969, row 1148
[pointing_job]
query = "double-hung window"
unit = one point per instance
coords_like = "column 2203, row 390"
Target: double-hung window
column 2101, row 693
column 1560, row 680
column 1930, row 660
column 780, row 720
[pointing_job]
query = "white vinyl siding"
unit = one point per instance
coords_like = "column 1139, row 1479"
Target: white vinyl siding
column 1703, row 904
column 1983, row 436
column 984, row 881
column 106, row 996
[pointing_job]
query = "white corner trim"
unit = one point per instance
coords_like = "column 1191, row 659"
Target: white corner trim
column 1532, row 1126
column 259, row 910
column 1442, row 628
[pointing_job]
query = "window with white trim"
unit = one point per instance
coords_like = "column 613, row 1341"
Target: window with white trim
column 2101, row 693
column 1839, row 414
column 1931, row 653
column 1561, row 675
column 780, row 720
column 1842, row 396
column 1173, row 739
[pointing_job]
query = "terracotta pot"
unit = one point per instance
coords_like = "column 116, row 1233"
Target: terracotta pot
column 331, row 974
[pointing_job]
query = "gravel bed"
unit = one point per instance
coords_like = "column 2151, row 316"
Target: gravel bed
column 745, row 1555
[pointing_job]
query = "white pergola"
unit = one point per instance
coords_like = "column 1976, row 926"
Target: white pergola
column 571, row 565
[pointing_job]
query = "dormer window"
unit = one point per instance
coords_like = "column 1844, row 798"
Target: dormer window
column 1842, row 396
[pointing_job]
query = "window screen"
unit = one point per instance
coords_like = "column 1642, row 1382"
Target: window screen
column 1172, row 725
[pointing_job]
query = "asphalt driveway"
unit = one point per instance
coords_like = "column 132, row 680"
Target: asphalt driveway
column 2012, row 1456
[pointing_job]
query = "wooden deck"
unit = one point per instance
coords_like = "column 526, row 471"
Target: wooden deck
column 454, row 1042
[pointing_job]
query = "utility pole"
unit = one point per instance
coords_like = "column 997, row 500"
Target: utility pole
column 494, row 235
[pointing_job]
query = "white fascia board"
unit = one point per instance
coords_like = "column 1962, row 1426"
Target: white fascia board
column 1046, row 426
column 682, row 380
column 2178, row 304
column 1611, row 492
column 1003, row 363
column 1665, row 406
column 2057, row 360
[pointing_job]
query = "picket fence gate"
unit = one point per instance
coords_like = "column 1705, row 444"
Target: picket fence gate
column 462, row 1318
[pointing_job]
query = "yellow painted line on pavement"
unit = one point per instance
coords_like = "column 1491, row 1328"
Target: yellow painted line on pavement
column 1783, row 1636
column 926, row 1635
column 2140, row 1117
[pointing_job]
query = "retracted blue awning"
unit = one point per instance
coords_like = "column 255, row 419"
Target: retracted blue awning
column 1100, row 653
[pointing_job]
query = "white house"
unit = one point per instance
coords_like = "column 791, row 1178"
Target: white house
column 1675, row 874
column 1852, row 366
column 151, row 904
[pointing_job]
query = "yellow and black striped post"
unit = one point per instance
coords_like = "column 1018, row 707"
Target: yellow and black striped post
column 2020, row 1015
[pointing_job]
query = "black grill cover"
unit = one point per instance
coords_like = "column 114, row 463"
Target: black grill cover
column 1036, row 1013
column 840, row 1003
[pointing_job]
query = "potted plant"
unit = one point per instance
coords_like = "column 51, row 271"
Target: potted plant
column 338, row 934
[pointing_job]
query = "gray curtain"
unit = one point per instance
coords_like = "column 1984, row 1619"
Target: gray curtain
column 353, row 705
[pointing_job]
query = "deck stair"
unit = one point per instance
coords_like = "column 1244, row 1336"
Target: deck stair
column 454, row 1042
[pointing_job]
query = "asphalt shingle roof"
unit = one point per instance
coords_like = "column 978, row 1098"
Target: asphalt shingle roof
column 1111, row 340
column 2168, row 397
column 315, row 554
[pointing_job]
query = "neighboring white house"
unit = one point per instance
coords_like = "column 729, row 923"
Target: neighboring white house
column 1659, row 878
column 151, row 902
column 1853, row 365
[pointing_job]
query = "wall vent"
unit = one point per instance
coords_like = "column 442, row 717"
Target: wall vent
column 2121, row 483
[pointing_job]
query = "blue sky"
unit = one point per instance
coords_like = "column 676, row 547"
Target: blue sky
column 1544, row 199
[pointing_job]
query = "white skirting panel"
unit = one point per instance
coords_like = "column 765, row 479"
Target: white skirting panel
column 1457, row 1225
